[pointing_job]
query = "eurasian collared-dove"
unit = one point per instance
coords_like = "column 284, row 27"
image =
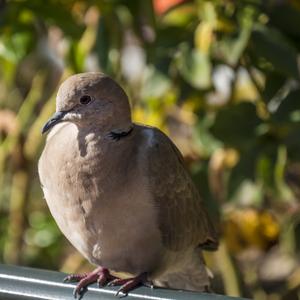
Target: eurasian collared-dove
column 120, row 192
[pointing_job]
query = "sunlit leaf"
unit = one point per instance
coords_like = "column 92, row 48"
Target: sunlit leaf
column 194, row 66
column 204, row 37
column 155, row 85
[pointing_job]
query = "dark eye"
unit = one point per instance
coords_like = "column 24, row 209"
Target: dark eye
column 86, row 99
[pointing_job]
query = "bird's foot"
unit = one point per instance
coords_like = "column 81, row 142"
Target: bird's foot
column 129, row 284
column 99, row 275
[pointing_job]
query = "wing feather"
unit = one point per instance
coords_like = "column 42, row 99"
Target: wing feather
column 183, row 219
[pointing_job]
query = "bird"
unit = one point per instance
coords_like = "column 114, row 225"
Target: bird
column 120, row 192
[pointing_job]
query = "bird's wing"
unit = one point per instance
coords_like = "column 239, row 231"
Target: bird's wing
column 183, row 220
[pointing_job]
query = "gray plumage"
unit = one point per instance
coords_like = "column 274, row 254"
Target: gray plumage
column 119, row 191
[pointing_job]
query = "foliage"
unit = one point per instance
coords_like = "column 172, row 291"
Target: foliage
column 220, row 77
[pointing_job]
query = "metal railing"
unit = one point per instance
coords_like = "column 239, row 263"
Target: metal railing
column 27, row 283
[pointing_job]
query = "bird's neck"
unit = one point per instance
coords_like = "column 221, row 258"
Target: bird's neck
column 104, row 130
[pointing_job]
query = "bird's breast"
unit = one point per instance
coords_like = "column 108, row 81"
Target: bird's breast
column 99, row 199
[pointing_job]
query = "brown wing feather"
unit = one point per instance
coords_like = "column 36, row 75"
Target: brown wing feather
column 183, row 220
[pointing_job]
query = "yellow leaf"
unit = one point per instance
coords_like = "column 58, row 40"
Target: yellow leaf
column 204, row 37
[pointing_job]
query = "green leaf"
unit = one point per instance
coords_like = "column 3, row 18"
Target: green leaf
column 292, row 141
column 194, row 66
column 289, row 109
column 156, row 84
column 168, row 37
column 243, row 171
column 287, row 18
column 231, row 48
column 52, row 12
column 274, row 82
column 236, row 125
column 109, row 42
column 265, row 165
column 76, row 57
column 204, row 139
column 103, row 45
column 276, row 49
column 199, row 173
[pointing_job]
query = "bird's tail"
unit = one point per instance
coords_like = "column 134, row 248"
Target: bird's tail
column 192, row 276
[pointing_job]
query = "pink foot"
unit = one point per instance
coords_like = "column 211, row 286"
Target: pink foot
column 99, row 275
column 129, row 284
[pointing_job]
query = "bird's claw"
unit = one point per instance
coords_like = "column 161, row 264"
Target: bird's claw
column 103, row 277
column 79, row 292
column 99, row 275
column 83, row 283
column 128, row 284
column 119, row 291
column 116, row 281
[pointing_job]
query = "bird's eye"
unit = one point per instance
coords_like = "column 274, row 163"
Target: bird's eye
column 86, row 99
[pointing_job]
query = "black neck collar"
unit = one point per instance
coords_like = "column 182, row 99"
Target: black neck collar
column 117, row 135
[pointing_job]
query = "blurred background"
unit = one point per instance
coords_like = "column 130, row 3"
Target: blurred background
column 221, row 78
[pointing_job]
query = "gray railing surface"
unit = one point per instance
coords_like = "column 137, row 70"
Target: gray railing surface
column 27, row 283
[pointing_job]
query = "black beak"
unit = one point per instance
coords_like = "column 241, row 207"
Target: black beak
column 56, row 118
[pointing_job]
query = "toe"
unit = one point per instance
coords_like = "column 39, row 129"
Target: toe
column 102, row 280
column 129, row 285
column 74, row 277
column 118, row 281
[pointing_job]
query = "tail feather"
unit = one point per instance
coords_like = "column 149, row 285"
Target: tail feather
column 192, row 276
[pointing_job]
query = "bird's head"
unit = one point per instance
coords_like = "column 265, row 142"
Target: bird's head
column 91, row 99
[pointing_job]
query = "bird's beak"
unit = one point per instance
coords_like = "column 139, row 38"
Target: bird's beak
column 56, row 118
